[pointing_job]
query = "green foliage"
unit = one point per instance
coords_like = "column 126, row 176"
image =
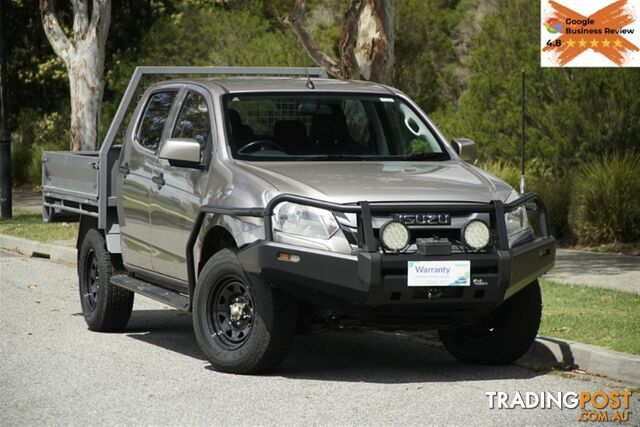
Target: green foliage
column 605, row 205
column 573, row 115
column 209, row 36
column 36, row 134
column 424, row 49
column 508, row 172
column 554, row 190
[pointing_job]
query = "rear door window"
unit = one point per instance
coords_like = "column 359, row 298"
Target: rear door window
column 154, row 119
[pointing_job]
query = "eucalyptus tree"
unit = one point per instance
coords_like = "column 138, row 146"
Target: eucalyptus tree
column 366, row 43
column 83, row 53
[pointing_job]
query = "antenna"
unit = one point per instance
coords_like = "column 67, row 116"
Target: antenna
column 522, row 136
column 309, row 83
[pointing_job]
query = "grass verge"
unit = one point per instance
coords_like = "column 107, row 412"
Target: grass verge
column 30, row 226
column 602, row 317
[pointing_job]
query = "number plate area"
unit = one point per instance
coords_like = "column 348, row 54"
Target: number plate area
column 439, row 273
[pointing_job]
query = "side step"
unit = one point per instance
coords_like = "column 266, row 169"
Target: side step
column 172, row 298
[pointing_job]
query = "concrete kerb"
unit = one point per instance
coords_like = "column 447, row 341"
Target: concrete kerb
column 38, row 249
column 552, row 353
column 545, row 353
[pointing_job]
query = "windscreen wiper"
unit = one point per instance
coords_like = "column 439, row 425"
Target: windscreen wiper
column 333, row 157
column 426, row 156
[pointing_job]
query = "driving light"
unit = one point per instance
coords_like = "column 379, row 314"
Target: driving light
column 304, row 221
column 476, row 234
column 394, row 235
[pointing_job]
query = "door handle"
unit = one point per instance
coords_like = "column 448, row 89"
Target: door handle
column 158, row 180
column 124, row 168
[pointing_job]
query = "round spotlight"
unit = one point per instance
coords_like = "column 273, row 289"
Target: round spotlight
column 476, row 234
column 394, row 235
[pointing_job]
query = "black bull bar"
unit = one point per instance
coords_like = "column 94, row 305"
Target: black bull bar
column 365, row 210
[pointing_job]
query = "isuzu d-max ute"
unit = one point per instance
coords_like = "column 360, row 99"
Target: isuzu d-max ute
column 272, row 201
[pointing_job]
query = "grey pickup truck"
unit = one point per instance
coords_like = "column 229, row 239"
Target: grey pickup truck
column 273, row 201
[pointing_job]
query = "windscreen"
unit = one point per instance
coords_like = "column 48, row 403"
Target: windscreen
column 263, row 127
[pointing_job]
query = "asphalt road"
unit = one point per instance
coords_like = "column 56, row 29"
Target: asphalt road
column 54, row 371
column 604, row 270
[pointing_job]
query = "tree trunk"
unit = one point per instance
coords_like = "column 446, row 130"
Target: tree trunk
column 86, row 88
column 366, row 44
column 83, row 56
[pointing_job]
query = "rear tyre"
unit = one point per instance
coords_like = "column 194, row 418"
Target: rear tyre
column 105, row 307
column 502, row 336
column 243, row 326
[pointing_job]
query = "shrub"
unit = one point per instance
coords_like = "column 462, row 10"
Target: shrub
column 604, row 205
column 554, row 190
column 506, row 171
column 36, row 133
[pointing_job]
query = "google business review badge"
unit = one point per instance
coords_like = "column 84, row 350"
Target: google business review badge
column 590, row 33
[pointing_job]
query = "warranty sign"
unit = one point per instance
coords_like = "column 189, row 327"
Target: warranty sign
column 590, row 33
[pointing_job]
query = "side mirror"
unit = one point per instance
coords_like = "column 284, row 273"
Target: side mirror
column 466, row 149
column 181, row 152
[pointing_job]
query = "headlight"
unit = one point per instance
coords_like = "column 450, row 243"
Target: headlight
column 394, row 236
column 304, row 221
column 476, row 234
column 517, row 221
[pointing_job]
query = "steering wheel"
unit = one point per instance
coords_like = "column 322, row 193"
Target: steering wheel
column 259, row 143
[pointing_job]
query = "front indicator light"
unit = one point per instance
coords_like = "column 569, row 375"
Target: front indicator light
column 285, row 256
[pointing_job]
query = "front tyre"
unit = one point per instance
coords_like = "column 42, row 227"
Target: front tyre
column 242, row 326
column 106, row 307
column 502, row 336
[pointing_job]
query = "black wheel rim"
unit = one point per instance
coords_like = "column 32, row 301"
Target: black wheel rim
column 91, row 279
column 481, row 329
column 230, row 313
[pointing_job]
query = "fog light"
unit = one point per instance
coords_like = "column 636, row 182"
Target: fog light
column 476, row 234
column 394, row 236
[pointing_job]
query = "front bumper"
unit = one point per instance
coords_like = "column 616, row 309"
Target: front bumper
column 371, row 287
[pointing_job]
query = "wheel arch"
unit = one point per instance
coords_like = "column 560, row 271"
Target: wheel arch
column 212, row 232
column 215, row 239
column 86, row 224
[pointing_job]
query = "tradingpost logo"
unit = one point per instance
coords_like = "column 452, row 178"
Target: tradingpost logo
column 600, row 406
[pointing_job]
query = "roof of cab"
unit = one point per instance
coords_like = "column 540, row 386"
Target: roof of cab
column 288, row 84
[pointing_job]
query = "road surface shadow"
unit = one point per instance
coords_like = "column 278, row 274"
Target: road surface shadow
column 335, row 356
